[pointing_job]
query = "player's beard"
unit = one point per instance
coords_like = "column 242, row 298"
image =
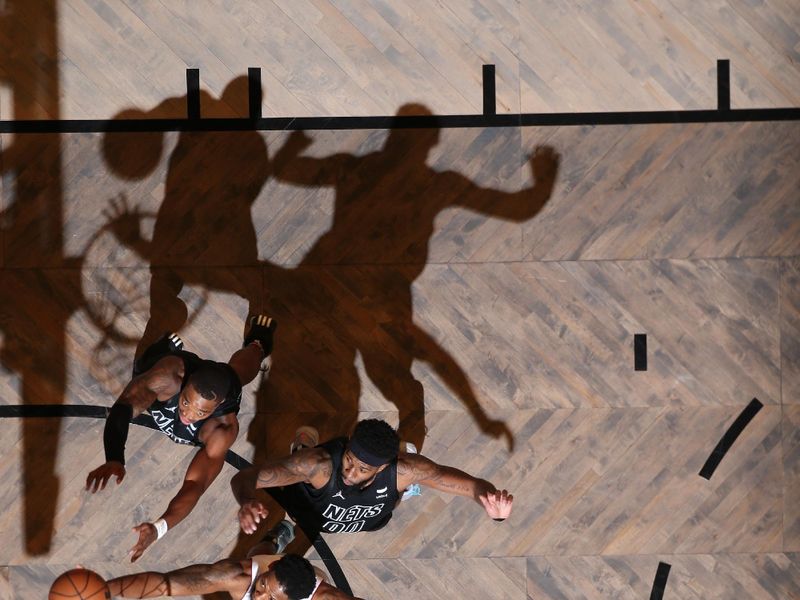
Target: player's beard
column 347, row 488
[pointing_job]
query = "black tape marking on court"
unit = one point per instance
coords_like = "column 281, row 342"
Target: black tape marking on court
column 254, row 92
column 639, row 352
column 729, row 438
column 193, row 94
column 489, row 96
column 400, row 122
column 660, row 582
column 489, row 118
column 145, row 420
column 723, row 85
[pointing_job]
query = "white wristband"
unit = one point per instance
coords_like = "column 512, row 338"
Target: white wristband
column 161, row 528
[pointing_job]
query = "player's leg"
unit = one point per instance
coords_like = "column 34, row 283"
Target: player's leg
column 257, row 349
column 275, row 540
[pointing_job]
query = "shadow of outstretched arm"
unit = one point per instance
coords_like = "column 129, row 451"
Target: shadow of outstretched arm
column 514, row 206
column 428, row 350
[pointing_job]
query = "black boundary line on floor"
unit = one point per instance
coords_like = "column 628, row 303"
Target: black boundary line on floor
column 729, row 438
column 145, row 420
column 193, row 94
column 255, row 122
column 640, row 352
column 660, row 582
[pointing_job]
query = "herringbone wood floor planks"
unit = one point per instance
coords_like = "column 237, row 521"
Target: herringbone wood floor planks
column 442, row 280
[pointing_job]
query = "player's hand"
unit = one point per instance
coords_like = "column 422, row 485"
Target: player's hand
column 299, row 141
column 498, row 429
column 123, row 220
column 147, row 535
column 251, row 514
column 98, row 478
column 497, row 504
column 544, row 164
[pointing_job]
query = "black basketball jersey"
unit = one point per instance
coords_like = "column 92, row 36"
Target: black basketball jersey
column 165, row 414
column 333, row 509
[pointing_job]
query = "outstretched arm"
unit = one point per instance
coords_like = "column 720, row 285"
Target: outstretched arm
column 514, row 206
column 414, row 468
column 223, row 576
column 202, row 472
column 289, row 165
column 310, row 465
column 159, row 381
column 446, row 367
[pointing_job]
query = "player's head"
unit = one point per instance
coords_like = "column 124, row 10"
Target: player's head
column 416, row 141
column 205, row 390
column 373, row 445
column 290, row 578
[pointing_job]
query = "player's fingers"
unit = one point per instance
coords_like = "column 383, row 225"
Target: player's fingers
column 104, row 481
column 252, row 522
column 246, row 522
column 134, row 552
column 120, row 477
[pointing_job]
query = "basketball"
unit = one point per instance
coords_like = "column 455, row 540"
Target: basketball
column 132, row 155
column 79, row 584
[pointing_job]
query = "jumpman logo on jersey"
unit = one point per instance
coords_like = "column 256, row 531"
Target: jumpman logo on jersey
column 339, row 495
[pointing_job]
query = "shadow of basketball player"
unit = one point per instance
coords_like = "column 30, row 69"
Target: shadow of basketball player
column 41, row 287
column 203, row 226
column 348, row 296
column 385, row 207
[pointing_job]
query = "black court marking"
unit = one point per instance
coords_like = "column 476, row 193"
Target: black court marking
column 254, row 92
column 639, row 352
column 145, row 420
column 400, row 122
column 193, row 94
column 489, row 118
column 723, row 85
column 54, row 410
column 660, row 582
column 489, row 96
column 730, row 436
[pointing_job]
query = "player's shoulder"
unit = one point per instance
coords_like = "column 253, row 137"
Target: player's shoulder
column 221, row 430
column 167, row 372
column 315, row 464
column 312, row 457
column 408, row 460
column 326, row 591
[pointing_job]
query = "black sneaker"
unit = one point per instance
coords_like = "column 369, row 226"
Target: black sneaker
column 281, row 535
column 262, row 329
column 169, row 343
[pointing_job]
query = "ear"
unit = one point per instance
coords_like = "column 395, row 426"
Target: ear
column 381, row 468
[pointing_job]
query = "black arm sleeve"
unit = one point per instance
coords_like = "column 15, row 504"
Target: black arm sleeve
column 116, row 432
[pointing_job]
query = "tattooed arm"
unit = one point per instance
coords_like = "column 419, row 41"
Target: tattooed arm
column 310, row 465
column 414, row 468
column 223, row 576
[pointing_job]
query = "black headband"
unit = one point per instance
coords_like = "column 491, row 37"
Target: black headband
column 368, row 457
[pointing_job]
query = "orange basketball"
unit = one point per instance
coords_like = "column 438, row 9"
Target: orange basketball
column 79, row 584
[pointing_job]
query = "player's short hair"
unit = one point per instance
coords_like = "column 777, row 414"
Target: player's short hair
column 295, row 575
column 374, row 442
column 211, row 380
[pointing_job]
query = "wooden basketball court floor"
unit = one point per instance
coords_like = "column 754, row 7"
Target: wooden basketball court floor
column 418, row 273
